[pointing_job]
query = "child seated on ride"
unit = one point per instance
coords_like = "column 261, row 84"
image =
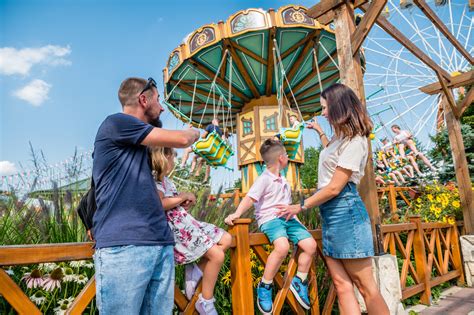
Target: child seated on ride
column 193, row 239
column 294, row 122
column 269, row 191
column 404, row 140
column 386, row 173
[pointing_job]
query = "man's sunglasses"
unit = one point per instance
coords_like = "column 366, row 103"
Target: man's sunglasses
column 150, row 83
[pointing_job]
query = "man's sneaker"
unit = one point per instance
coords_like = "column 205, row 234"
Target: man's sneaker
column 205, row 307
column 192, row 275
column 300, row 291
column 264, row 298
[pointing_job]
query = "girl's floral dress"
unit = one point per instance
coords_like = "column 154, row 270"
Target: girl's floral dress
column 193, row 238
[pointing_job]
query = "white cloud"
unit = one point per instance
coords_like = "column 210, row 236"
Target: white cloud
column 35, row 93
column 7, row 168
column 19, row 61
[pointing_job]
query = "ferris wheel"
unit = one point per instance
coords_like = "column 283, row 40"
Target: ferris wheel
column 393, row 75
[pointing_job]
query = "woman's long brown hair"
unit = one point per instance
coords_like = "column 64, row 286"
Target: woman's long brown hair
column 346, row 114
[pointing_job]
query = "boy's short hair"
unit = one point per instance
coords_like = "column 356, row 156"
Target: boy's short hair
column 396, row 126
column 270, row 150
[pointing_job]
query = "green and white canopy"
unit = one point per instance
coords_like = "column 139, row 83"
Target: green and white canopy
column 254, row 54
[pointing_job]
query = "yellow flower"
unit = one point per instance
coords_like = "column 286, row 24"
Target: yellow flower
column 226, row 278
column 444, row 219
column 430, row 197
column 451, row 220
column 456, row 204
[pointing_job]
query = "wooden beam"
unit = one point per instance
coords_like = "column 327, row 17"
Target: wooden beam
column 269, row 83
column 222, row 82
column 461, row 168
column 243, row 72
column 366, row 24
column 466, row 102
column 248, row 52
column 324, row 10
column 403, row 40
column 448, row 95
column 463, row 79
column 301, row 42
column 295, row 66
column 425, row 8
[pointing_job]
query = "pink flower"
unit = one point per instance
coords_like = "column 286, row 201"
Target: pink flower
column 179, row 258
column 53, row 280
column 33, row 279
column 185, row 235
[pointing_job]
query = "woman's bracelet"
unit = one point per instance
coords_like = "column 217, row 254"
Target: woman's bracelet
column 321, row 134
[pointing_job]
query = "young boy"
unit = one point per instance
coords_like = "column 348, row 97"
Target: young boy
column 270, row 190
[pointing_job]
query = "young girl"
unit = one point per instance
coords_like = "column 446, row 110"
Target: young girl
column 194, row 239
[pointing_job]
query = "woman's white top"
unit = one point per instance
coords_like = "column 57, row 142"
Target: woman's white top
column 349, row 154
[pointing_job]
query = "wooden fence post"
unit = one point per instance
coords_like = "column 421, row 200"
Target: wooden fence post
column 420, row 259
column 392, row 198
column 236, row 197
column 241, row 271
column 456, row 250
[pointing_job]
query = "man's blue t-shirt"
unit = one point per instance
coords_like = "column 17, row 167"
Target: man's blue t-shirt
column 210, row 128
column 129, row 210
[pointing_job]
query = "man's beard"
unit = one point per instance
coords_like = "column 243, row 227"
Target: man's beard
column 157, row 122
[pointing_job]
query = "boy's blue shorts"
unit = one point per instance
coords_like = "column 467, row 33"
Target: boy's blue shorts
column 291, row 229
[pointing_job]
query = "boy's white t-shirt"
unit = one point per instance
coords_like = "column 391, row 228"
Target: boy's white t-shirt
column 269, row 191
column 349, row 154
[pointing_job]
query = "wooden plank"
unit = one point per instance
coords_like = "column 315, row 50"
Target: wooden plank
column 425, row 8
column 326, row 6
column 399, row 227
column 463, row 79
column 34, row 254
column 270, row 65
column 460, row 166
column 248, row 52
column 456, row 253
column 190, row 308
column 15, row 296
column 179, row 299
column 448, row 95
column 200, row 67
column 444, row 278
column 243, row 71
column 408, row 44
column 240, row 268
column 83, row 299
column 412, row 290
column 330, row 299
column 420, row 260
column 467, row 101
column 366, row 24
column 392, row 198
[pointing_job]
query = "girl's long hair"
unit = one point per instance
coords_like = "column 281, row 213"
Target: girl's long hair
column 159, row 161
column 346, row 114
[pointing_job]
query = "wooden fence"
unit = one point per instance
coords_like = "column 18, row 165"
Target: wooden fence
column 434, row 246
column 392, row 192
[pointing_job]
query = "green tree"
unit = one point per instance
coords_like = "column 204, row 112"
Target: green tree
column 309, row 171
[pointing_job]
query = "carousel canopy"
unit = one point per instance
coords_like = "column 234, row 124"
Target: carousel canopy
column 254, row 55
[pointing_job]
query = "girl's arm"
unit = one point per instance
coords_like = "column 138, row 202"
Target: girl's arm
column 171, row 202
column 243, row 207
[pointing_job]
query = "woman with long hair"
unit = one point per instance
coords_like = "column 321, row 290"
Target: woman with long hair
column 346, row 230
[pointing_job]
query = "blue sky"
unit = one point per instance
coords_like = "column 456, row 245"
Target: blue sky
column 96, row 44
column 61, row 63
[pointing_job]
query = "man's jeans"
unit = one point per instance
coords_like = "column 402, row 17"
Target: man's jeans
column 134, row 279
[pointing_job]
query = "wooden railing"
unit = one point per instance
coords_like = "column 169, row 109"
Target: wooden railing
column 392, row 192
column 434, row 246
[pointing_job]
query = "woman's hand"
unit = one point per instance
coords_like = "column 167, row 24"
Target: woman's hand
column 288, row 211
column 313, row 124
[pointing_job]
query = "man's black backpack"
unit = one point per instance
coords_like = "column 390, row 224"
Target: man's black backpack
column 87, row 207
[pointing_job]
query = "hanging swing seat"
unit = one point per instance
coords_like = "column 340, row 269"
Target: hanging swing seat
column 291, row 139
column 213, row 149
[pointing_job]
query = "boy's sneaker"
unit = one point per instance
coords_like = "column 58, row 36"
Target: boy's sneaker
column 192, row 275
column 264, row 298
column 300, row 291
column 205, row 307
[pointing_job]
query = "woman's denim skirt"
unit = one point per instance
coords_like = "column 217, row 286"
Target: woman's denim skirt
column 347, row 232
